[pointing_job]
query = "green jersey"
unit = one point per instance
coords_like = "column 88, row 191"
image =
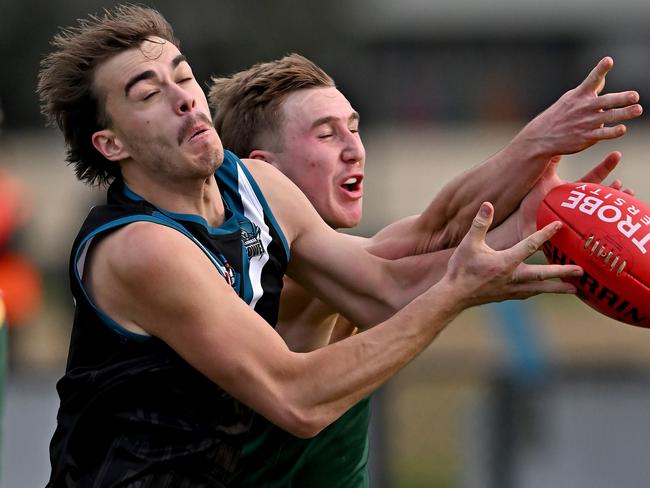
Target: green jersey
column 336, row 457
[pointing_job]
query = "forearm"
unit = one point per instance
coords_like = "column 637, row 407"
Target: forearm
column 503, row 179
column 410, row 277
column 338, row 376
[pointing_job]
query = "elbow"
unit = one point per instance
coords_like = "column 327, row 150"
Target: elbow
column 304, row 423
column 292, row 403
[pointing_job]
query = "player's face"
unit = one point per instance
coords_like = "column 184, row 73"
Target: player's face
column 323, row 154
column 159, row 115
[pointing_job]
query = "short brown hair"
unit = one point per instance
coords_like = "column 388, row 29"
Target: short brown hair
column 246, row 104
column 66, row 88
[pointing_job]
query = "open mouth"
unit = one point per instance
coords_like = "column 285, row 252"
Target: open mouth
column 352, row 184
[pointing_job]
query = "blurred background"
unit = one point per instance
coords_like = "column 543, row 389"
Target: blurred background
column 535, row 394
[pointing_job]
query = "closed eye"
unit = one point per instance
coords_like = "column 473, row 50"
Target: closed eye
column 149, row 95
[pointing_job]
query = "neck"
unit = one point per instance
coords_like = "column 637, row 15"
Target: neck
column 198, row 197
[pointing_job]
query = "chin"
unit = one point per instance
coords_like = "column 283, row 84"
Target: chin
column 212, row 160
column 345, row 222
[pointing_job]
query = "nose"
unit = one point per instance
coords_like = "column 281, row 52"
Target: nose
column 185, row 101
column 354, row 152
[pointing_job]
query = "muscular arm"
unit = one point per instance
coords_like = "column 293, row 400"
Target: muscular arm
column 152, row 278
column 322, row 257
column 306, row 323
column 577, row 120
column 314, row 327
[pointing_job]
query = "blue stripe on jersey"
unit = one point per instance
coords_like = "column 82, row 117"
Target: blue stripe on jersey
column 227, row 173
column 80, row 256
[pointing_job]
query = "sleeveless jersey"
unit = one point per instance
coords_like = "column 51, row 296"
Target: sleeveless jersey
column 133, row 412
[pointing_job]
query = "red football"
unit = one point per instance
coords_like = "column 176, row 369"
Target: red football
column 607, row 232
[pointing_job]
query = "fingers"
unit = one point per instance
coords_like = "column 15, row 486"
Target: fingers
column 614, row 115
column 618, row 185
column 529, row 280
column 541, row 272
column 627, row 99
column 595, row 80
column 602, row 170
column 612, row 109
column 603, row 133
column 529, row 246
column 531, row 288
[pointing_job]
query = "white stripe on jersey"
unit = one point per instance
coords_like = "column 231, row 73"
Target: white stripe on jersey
column 255, row 213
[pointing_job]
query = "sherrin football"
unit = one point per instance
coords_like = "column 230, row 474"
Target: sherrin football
column 607, row 233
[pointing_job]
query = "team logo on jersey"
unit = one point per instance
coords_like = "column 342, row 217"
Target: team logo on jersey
column 252, row 239
column 229, row 275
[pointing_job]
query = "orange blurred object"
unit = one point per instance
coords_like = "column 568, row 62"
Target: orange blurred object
column 21, row 288
column 8, row 217
column 3, row 312
column 15, row 205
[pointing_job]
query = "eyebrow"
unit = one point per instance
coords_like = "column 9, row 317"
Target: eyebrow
column 329, row 118
column 148, row 74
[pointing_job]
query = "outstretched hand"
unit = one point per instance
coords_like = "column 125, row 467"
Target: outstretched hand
column 582, row 116
column 526, row 214
column 481, row 275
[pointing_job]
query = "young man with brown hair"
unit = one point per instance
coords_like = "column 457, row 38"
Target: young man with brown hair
column 177, row 278
column 289, row 113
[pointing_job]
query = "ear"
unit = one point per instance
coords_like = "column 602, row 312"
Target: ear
column 109, row 145
column 267, row 156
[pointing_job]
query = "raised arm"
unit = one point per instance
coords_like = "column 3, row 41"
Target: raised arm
column 577, row 120
column 151, row 278
column 365, row 288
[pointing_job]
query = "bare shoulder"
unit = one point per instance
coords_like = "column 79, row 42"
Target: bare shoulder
column 144, row 273
column 143, row 248
column 148, row 259
column 274, row 184
column 261, row 168
column 290, row 206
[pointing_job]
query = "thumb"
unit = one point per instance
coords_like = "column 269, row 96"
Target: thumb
column 595, row 80
column 481, row 222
